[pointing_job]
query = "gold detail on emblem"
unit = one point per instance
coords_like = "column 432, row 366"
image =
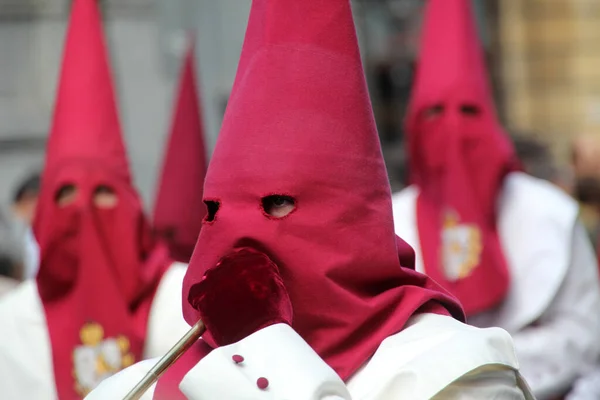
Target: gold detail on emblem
column 97, row 358
column 461, row 247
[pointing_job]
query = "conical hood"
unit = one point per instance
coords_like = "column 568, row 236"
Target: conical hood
column 458, row 157
column 450, row 55
column 179, row 209
column 86, row 124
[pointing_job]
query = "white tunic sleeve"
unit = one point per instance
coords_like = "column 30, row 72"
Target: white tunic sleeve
column 277, row 354
column 277, row 364
column 564, row 341
column 437, row 357
column 434, row 357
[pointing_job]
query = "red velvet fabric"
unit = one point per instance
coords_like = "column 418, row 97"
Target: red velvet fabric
column 458, row 157
column 179, row 209
column 99, row 268
column 242, row 294
column 299, row 123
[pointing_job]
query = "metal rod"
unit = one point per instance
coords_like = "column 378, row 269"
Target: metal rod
column 168, row 359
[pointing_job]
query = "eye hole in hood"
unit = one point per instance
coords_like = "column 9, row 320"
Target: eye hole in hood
column 278, row 205
column 212, row 207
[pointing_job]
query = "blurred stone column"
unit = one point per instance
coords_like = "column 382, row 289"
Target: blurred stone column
column 514, row 63
column 586, row 64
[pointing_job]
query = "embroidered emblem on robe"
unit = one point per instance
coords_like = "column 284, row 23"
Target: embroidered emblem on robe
column 461, row 247
column 98, row 358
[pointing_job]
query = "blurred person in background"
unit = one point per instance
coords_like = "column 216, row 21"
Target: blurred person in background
column 24, row 204
column 25, row 198
column 7, row 269
column 107, row 294
column 10, row 259
column 508, row 245
column 586, row 166
column 585, row 158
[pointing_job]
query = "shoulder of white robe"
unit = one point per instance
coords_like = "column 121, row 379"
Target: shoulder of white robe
column 529, row 190
column 430, row 353
column 537, row 213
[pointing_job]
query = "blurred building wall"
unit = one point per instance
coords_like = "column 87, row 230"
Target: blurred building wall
column 550, row 62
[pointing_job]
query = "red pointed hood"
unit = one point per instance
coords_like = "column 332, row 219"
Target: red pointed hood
column 86, row 124
column 299, row 123
column 99, row 266
column 458, row 155
column 450, row 56
column 179, row 209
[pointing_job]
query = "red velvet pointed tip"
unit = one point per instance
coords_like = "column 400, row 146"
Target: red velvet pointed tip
column 85, row 124
column 242, row 294
column 230, row 265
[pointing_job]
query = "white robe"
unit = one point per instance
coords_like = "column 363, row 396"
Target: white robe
column 31, row 255
column 26, row 370
column 434, row 357
column 552, row 308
